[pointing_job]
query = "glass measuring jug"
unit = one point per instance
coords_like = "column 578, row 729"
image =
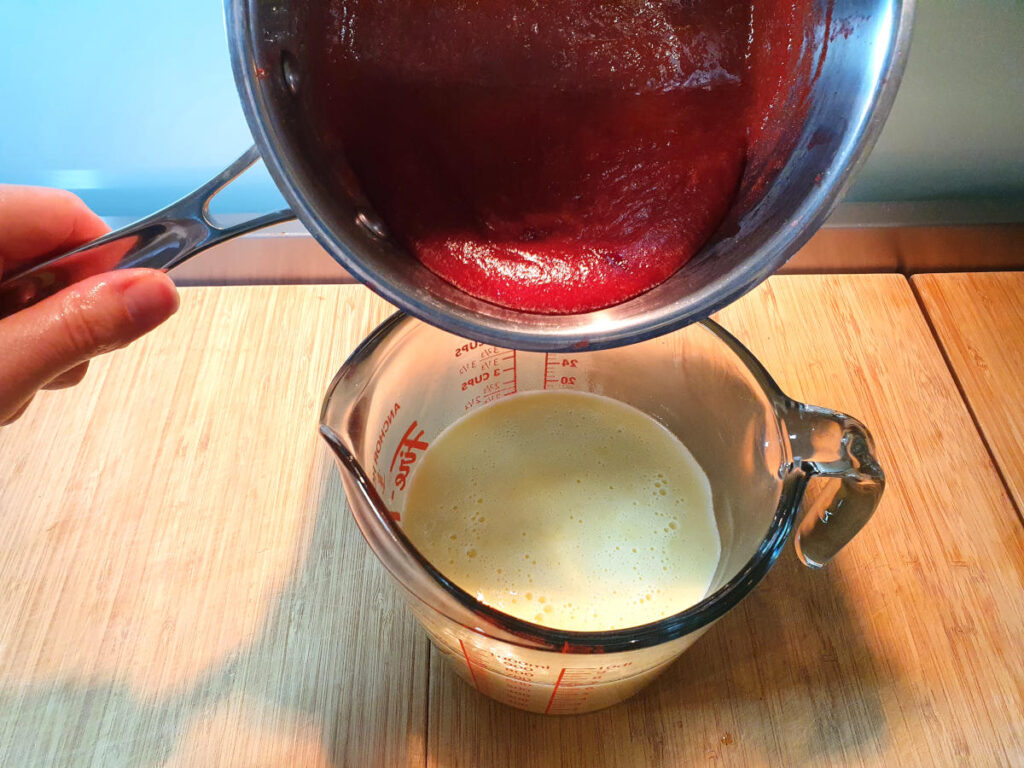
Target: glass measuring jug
column 759, row 448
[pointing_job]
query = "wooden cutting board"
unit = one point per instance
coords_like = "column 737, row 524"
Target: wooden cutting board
column 182, row 585
column 904, row 651
column 979, row 321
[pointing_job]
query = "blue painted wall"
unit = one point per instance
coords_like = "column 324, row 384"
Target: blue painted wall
column 131, row 104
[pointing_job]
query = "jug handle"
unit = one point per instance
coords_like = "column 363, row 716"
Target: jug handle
column 828, row 444
column 160, row 241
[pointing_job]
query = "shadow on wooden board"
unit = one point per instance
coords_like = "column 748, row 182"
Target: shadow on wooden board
column 739, row 695
column 335, row 677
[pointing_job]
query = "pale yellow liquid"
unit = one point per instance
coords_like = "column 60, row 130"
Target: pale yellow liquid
column 566, row 509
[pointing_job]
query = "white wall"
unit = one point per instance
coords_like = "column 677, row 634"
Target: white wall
column 957, row 128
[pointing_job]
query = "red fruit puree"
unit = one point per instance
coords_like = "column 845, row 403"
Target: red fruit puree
column 551, row 156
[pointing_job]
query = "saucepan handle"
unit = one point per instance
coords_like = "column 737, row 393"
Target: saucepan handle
column 827, row 444
column 160, row 241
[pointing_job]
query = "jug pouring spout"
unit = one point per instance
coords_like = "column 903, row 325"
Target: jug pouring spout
column 354, row 476
column 431, row 591
column 764, row 455
column 346, row 461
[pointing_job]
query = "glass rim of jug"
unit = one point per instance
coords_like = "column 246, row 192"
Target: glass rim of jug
column 794, row 473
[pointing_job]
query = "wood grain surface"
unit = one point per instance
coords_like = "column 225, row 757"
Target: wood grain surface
column 181, row 584
column 910, row 250
column 979, row 320
column 904, row 651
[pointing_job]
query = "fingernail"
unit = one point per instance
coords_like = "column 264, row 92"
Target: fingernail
column 150, row 299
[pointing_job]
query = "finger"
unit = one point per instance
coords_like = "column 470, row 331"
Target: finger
column 17, row 414
column 69, row 378
column 97, row 315
column 38, row 222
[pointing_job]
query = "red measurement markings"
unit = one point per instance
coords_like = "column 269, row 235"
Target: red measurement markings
column 560, row 371
column 554, row 693
column 378, row 480
column 519, row 678
column 574, row 687
column 377, row 477
column 406, row 454
column 518, row 695
column 508, row 373
column 492, row 351
column 469, row 664
column 467, row 366
column 476, row 380
column 469, row 346
column 497, row 377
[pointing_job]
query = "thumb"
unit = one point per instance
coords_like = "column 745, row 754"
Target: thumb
column 95, row 315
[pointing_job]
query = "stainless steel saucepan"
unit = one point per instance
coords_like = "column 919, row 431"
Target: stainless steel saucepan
column 858, row 48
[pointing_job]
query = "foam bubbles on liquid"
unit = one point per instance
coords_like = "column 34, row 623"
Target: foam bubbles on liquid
column 577, row 497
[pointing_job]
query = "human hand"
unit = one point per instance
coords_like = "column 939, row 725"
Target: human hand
column 47, row 345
